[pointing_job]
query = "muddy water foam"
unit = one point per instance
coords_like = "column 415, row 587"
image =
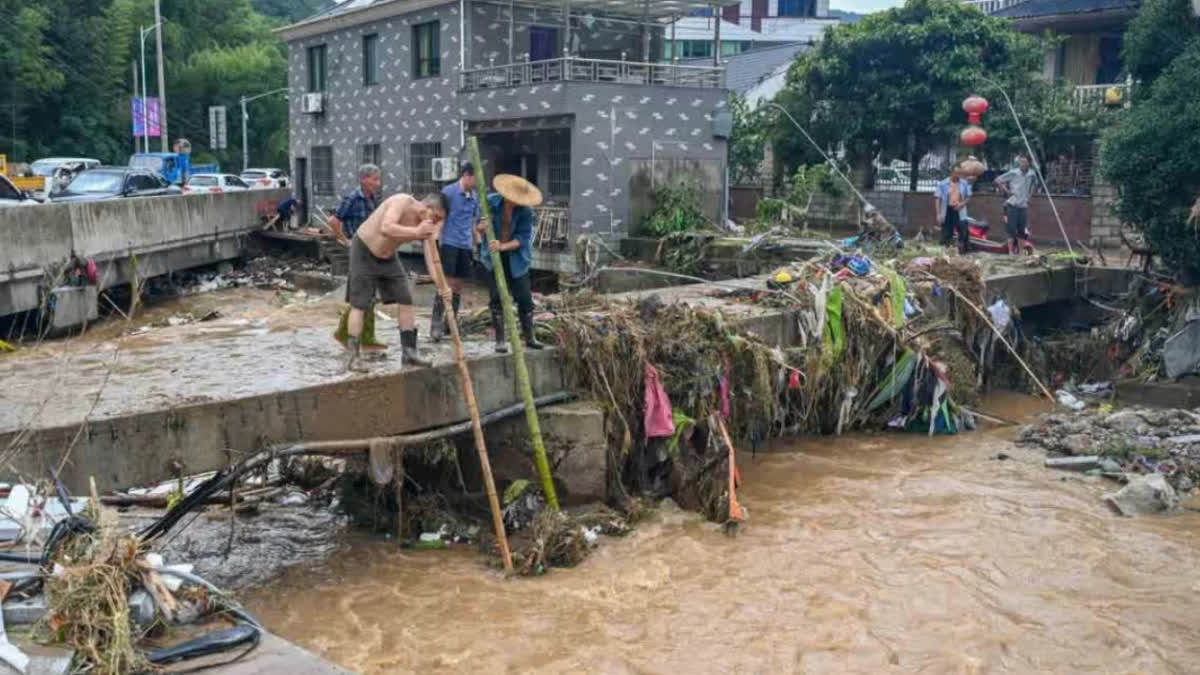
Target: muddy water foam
column 864, row 554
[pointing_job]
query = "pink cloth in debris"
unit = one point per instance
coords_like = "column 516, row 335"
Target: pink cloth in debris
column 659, row 421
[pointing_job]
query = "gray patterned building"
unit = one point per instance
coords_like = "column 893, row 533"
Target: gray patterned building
column 568, row 95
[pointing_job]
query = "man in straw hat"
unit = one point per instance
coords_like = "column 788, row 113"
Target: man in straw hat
column 375, row 267
column 511, row 209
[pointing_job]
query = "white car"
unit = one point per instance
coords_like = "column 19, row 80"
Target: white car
column 214, row 183
column 261, row 179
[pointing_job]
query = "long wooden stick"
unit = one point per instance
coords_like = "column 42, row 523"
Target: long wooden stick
column 988, row 320
column 433, row 261
column 514, row 338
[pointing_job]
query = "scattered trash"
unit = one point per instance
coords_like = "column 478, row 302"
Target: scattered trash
column 1066, row 399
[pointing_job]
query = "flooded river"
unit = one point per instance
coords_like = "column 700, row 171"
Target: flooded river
column 863, row 554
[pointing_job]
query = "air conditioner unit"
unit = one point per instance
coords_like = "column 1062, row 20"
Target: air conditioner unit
column 445, row 169
column 313, row 103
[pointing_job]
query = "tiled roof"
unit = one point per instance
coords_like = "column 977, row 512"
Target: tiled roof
column 744, row 71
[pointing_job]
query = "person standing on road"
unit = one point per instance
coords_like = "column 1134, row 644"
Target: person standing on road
column 1019, row 185
column 457, row 244
column 375, row 268
column 950, row 200
column 356, row 206
column 511, row 209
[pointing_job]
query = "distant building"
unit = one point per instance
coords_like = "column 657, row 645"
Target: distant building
column 757, row 75
column 1094, row 30
column 747, row 26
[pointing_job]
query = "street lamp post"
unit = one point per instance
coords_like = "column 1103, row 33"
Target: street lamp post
column 145, row 117
column 246, row 118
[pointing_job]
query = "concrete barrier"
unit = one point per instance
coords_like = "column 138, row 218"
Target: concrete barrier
column 165, row 233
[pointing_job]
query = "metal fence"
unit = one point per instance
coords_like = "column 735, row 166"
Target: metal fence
column 592, row 70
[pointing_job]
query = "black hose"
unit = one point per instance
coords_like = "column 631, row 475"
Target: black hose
column 215, row 642
column 15, row 557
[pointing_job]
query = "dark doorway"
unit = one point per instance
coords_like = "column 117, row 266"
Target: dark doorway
column 543, row 43
column 300, row 188
column 525, row 166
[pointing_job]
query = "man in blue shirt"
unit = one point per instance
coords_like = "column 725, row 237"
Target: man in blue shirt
column 457, row 244
column 357, row 205
column 512, row 214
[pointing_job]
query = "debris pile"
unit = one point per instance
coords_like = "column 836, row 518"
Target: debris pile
column 79, row 579
column 261, row 272
column 1145, row 447
column 877, row 349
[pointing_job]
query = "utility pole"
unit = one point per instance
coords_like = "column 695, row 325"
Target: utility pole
column 145, row 117
column 162, row 81
column 246, row 118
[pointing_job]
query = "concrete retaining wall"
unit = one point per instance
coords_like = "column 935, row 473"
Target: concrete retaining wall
column 165, row 233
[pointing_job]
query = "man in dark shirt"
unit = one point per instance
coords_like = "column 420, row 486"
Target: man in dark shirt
column 357, row 205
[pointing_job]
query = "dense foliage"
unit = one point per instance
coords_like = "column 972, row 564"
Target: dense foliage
column 747, row 142
column 677, row 208
column 1161, row 32
column 1153, row 155
column 892, row 84
column 66, row 72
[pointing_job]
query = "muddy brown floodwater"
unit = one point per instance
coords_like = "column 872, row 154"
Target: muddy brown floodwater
column 863, row 554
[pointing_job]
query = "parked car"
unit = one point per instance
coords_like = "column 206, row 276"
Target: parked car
column 11, row 196
column 265, row 178
column 214, row 183
column 115, row 182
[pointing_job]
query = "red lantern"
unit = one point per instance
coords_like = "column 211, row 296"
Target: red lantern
column 973, row 136
column 975, row 106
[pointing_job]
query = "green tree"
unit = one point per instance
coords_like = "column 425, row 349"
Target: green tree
column 1160, row 32
column 747, row 142
column 893, row 83
column 1153, row 157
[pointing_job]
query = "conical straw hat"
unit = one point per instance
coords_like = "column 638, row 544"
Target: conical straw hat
column 517, row 190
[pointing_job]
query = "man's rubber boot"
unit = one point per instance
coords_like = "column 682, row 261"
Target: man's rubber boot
column 498, row 326
column 354, row 362
column 437, row 324
column 369, row 341
column 527, row 332
column 455, row 301
column 410, row 356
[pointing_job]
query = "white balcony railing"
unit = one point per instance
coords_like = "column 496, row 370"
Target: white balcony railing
column 989, row 6
column 1089, row 96
column 592, row 70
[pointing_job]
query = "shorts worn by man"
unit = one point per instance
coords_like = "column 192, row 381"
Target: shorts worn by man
column 1018, row 184
column 374, row 267
column 457, row 244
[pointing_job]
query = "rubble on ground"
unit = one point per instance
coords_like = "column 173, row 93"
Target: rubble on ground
column 1130, row 444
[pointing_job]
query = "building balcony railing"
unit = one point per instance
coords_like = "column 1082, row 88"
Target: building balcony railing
column 574, row 69
column 989, row 6
column 1090, row 96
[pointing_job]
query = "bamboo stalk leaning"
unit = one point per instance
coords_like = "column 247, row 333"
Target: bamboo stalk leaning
column 514, row 339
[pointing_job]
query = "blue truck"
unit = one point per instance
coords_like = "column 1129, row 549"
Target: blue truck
column 176, row 167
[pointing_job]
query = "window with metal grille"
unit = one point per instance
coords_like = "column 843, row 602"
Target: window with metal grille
column 426, row 49
column 322, row 170
column 370, row 153
column 560, row 171
column 316, row 68
column 370, row 66
column 420, row 168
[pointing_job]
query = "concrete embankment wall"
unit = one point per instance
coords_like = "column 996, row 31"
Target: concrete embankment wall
column 165, row 234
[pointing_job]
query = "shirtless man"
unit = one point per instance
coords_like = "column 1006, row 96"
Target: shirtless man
column 375, row 267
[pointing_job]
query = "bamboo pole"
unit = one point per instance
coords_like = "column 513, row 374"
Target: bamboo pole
column 433, row 261
column 514, row 337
